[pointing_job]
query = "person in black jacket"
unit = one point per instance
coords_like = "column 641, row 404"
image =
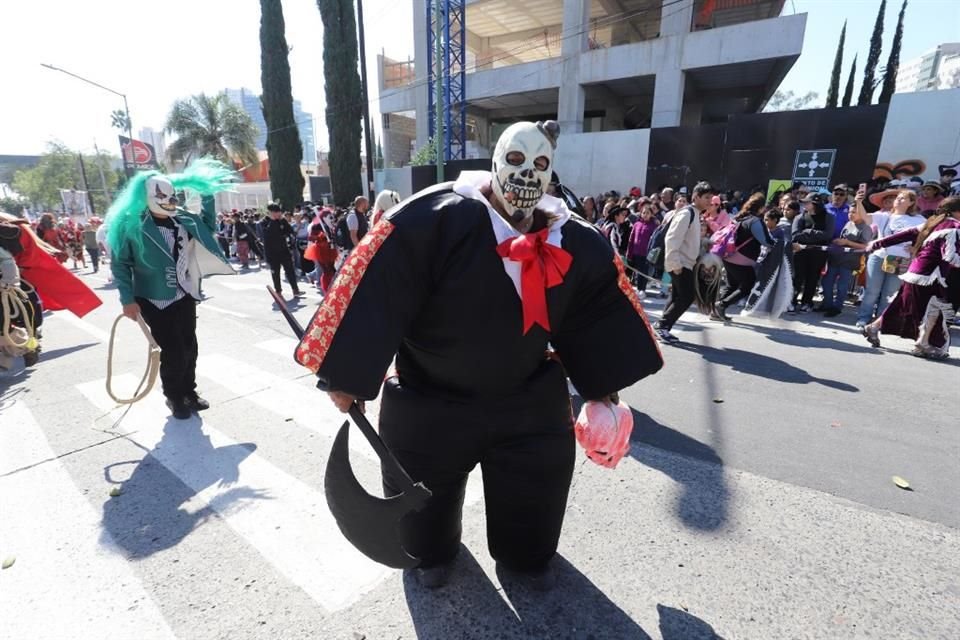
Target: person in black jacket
column 812, row 230
column 277, row 238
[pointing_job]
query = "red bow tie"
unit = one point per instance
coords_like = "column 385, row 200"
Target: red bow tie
column 543, row 266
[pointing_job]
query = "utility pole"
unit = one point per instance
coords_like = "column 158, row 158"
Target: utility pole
column 366, row 103
column 438, row 15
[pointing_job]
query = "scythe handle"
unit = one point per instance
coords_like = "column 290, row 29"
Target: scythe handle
column 386, row 456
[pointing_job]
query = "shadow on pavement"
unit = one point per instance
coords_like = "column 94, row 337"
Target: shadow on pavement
column 795, row 339
column 150, row 515
column 703, row 503
column 762, row 366
column 471, row 607
column 680, row 625
column 56, row 353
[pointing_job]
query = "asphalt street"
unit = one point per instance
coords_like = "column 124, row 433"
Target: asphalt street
column 757, row 501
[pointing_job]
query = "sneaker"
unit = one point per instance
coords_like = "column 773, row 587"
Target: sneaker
column 721, row 313
column 861, row 324
column 937, row 354
column 664, row 335
column 196, row 403
column 179, row 409
column 433, row 577
column 804, row 308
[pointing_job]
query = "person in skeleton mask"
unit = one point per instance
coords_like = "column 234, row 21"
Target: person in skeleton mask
column 160, row 253
column 466, row 284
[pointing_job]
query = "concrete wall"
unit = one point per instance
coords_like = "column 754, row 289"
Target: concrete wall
column 398, row 180
column 922, row 131
column 591, row 163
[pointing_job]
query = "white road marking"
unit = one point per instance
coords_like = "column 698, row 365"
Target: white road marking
column 227, row 312
column 282, row 397
column 302, row 540
column 83, row 325
column 65, row 583
column 280, row 346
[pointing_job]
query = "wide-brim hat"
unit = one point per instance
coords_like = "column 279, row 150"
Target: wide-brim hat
column 876, row 199
column 932, row 183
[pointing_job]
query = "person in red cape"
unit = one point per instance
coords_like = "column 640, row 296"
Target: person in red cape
column 49, row 284
column 467, row 286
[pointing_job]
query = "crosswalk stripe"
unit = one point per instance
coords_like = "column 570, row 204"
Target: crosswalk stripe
column 303, row 543
column 280, row 396
column 286, row 398
column 61, row 567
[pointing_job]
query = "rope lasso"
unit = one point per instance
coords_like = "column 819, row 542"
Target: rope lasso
column 15, row 304
column 153, row 364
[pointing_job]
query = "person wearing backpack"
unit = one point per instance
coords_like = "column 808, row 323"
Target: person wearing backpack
column 353, row 226
column 681, row 248
column 749, row 237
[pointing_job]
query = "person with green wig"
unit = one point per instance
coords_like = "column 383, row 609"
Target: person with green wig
column 160, row 253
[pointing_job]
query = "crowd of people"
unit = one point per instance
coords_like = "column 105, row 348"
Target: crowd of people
column 840, row 246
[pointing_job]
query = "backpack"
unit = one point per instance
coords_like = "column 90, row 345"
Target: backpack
column 725, row 240
column 342, row 234
column 656, row 248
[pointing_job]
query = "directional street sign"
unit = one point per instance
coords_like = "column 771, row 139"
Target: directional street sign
column 813, row 167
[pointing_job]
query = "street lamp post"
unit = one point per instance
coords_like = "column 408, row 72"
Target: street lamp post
column 126, row 108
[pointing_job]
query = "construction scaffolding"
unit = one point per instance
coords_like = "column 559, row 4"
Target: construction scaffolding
column 452, row 74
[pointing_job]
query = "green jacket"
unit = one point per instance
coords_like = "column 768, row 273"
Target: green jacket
column 153, row 275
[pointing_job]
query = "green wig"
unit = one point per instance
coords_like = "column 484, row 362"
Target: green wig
column 124, row 219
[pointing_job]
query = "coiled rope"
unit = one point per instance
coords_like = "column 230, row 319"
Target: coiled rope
column 153, row 363
column 16, row 304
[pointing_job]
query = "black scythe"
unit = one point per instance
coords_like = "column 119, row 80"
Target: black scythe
column 368, row 522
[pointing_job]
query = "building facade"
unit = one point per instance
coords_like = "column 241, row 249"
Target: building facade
column 249, row 101
column 155, row 138
column 935, row 69
column 607, row 70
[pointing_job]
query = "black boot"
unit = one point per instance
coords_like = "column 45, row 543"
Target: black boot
column 179, row 408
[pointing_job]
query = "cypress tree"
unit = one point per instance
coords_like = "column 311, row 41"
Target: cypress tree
column 379, row 164
column 283, row 139
column 893, row 62
column 834, row 89
column 848, row 92
column 876, row 43
column 344, row 98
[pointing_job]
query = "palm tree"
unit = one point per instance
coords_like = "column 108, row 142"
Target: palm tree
column 211, row 126
column 118, row 120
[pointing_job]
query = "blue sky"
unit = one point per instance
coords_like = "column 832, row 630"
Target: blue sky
column 159, row 51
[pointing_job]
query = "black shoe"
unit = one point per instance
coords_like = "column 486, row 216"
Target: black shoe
column 831, row 313
column 542, row 580
column 179, row 408
column 722, row 313
column 196, row 403
column 433, row 577
column 298, row 294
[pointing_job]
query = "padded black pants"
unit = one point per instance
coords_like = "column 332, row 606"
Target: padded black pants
column 525, row 448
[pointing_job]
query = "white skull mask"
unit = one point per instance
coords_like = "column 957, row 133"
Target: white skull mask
column 161, row 197
column 522, row 163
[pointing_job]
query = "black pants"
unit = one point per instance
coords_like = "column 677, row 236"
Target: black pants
column 681, row 297
column 807, row 265
column 640, row 264
column 94, row 257
column 175, row 330
column 224, row 245
column 285, row 261
column 740, row 280
column 525, row 448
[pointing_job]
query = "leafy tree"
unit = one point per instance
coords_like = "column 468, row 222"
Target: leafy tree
column 118, row 120
column 834, row 89
column 848, row 92
column 344, row 98
column 283, row 138
column 379, row 152
column 12, row 206
column 59, row 169
column 426, row 154
column 876, row 43
column 893, row 61
column 211, row 126
column 788, row 101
